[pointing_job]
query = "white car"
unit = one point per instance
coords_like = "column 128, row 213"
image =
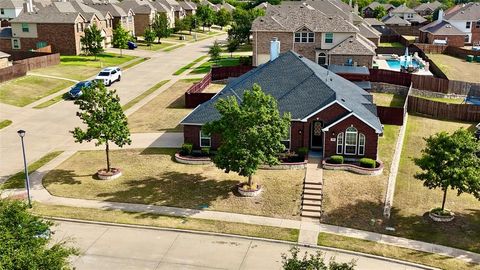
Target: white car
column 109, row 75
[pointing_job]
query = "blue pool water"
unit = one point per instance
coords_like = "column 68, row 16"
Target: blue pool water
column 395, row 63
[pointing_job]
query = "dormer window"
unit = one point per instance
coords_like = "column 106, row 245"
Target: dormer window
column 304, row 36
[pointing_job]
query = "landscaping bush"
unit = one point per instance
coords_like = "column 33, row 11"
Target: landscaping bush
column 441, row 212
column 187, row 149
column 302, row 151
column 336, row 159
column 206, row 151
column 245, row 60
column 368, row 163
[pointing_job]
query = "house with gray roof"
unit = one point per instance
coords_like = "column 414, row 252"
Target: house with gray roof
column 144, row 13
column 121, row 17
column 465, row 17
column 322, row 38
column 10, row 9
column 369, row 11
column 428, row 8
column 189, row 7
column 402, row 13
column 329, row 113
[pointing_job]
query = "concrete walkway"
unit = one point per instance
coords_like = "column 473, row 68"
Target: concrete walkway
column 105, row 246
column 40, row 194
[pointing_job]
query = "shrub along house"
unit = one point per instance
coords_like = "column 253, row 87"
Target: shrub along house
column 329, row 113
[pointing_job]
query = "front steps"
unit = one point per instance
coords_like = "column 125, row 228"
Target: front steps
column 312, row 195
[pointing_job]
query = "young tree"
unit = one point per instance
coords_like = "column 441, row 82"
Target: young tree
column 242, row 24
column 190, row 22
column 232, row 46
column 223, row 18
column 251, row 132
column 180, row 25
column 451, row 161
column 160, row 26
column 101, row 112
column 92, row 41
column 206, row 15
column 313, row 262
column 25, row 242
column 379, row 12
column 149, row 36
column 121, row 37
column 215, row 51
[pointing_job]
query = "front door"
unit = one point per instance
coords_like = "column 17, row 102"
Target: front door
column 316, row 140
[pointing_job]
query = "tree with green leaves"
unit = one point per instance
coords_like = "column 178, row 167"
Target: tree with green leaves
column 25, row 240
column 206, row 15
column 450, row 161
column 242, row 24
column 223, row 18
column 121, row 37
column 314, row 262
column 379, row 12
column 92, row 41
column 180, row 25
column 190, row 22
column 160, row 26
column 149, row 36
column 232, row 46
column 101, row 112
column 251, row 132
column 215, row 51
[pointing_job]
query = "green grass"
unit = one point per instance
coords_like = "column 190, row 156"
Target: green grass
column 444, row 100
column 222, row 62
column 5, row 123
column 150, row 176
column 147, row 219
column 135, row 63
column 188, row 66
column 154, row 46
column 50, row 102
column 456, row 68
column 391, row 44
column 25, row 90
column 389, row 251
column 18, row 180
column 412, row 200
column 173, row 47
column 388, row 100
column 152, row 89
column 410, row 38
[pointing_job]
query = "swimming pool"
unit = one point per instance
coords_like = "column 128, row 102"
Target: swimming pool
column 395, row 63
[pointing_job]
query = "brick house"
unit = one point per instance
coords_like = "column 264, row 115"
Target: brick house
column 442, row 32
column 324, row 39
column 369, row 11
column 428, row 8
column 465, row 17
column 144, row 13
column 122, row 17
column 329, row 113
column 48, row 26
column 402, row 13
column 189, row 7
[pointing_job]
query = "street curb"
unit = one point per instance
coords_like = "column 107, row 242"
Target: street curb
column 144, row 227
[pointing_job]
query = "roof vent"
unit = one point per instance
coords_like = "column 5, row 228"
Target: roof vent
column 343, row 100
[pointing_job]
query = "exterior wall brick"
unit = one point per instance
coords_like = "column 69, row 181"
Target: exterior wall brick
column 454, row 41
column 142, row 21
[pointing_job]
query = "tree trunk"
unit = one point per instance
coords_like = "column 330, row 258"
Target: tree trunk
column 444, row 198
column 108, row 156
column 121, row 52
column 250, row 180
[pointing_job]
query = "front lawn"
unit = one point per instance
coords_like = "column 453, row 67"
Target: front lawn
column 456, row 68
column 354, row 200
column 412, row 200
column 142, row 45
column 445, row 100
column 388, row 100
column 81, row 67
column 225, row 61
column 27, row 89
column 150, row 176
column 164, row 112
column 5, row 123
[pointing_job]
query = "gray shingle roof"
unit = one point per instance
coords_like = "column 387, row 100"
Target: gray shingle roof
column 353, row 46
column 368, row 31
column 114, row 9
column 8, row 4
column 373, row 21
column 48, row 14
column 187, row 5
column 441, row 28
column 429, row 5
column 374, row 5
column 293, row 17
column 462, row 12
column 402, row 9
column 138, row 6
column 300, row 86
column 394, row 19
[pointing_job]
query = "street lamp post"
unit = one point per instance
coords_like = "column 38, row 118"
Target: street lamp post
column 21, row 133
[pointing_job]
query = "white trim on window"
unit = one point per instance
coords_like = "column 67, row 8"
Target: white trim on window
column 204, row 138
column 304, row 36
column 361, row 144
column 340, row 143
column 351, row 136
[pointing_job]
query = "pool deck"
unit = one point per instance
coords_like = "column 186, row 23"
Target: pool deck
column 382, row 64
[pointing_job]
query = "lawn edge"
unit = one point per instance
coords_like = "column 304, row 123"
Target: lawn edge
column 5, row 123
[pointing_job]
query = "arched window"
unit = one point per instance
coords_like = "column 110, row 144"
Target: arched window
column 361, row 144
column 351, row 141
column 340, row 143
column 322, row 59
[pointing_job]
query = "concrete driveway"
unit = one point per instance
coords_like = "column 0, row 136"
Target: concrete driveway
column 117, row 247
column 48, row 129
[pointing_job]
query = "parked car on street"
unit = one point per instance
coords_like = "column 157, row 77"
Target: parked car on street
column 132, row 45
column 76, row 90
column 109, row 75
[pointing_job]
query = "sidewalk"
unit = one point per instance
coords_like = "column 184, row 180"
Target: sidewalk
column 40, row 194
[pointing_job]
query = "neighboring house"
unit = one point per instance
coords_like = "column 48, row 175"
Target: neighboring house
column 329, row 113
column 465, row 17
column 163, row 7
column 10, row 9
column 405, row 14
column 122, row 17
column 144, row 13
column 4, row 60
column 369, row 11
column 324, row 39
column 189, row 7
column 47, row 26
column 426, row 9
column 442, row 32
column 178, row 11
column 226, row 6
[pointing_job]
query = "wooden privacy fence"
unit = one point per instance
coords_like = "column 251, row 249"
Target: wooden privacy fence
column 195, row 96
column 222, row 73
column 441, row 110
column 392, row 77
column 41, row 61
column 13, row 72
column 390, row 115
column 430, row 48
